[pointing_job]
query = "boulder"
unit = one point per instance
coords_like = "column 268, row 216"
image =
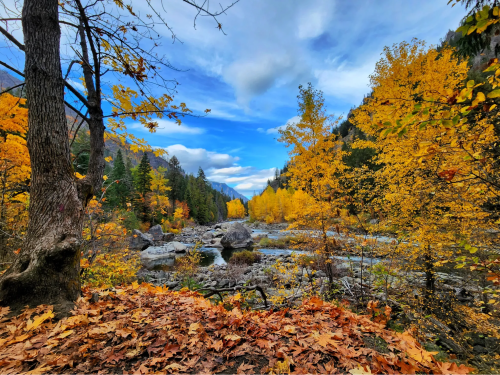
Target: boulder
column 140, row 241
column 156, row 232
column 225, row 226
column 218, row 234
column 175, row 247
column 155, row 253
column 236, row 237
column 207, row 236
column 215, row 242
column 167, row 237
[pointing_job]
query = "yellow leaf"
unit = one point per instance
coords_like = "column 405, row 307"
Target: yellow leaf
column 78, row 175
column 289, row 329
column 65, row 334
column 420, row 355
column 361, row 371
column 39, row 320
column 108, row 159
column 232, row 337
column 104, row 177
column 43, row 369
column 193, row 328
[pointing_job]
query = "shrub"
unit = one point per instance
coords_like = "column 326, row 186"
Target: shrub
column 187, row 266
column 110, row 269
column 129, row 220
column 245, row 257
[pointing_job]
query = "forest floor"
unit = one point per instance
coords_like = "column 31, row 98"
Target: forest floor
column 143, row 329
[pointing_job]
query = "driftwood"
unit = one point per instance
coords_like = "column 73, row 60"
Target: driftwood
column 213, row 291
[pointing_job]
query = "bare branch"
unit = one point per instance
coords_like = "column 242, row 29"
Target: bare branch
column 11, row 38
column 11, row 88
column 11, row 68
column 69, row 68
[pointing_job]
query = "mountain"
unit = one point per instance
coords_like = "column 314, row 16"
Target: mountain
column 6, row 80
column 223, row 188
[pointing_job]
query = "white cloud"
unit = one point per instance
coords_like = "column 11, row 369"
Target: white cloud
column 313, row 20
column 250, row 179
column 166, row 127
column 294, row 119
column 245, row 186
column 231, row 170
column 77, row 85
column 346, row 82
column 193, row 158
column 221, row 167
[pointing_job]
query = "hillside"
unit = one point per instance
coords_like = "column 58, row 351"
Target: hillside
column 7, row 80
column 223, row 188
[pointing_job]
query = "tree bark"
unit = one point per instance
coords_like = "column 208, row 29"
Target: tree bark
column 47, row 268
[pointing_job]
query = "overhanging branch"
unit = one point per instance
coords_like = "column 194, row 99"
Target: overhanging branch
column 11, row 38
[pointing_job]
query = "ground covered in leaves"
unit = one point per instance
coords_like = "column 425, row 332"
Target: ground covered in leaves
column 144, row 329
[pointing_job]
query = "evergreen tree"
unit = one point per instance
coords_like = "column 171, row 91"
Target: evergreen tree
column 119, row 192
column 143, row 180
column 176, row 180
column 143, row 186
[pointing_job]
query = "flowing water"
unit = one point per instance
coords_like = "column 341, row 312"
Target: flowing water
column 215, row 256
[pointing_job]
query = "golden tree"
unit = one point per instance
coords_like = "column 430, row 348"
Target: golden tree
column 428, row 196
column 235, row 209
column 315, row 162
column 15, row 171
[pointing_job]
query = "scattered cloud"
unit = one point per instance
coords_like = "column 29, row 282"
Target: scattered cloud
column 248, row 181
column 231, row 170
column 276, row 129
column 193, row 158
column 222, row 167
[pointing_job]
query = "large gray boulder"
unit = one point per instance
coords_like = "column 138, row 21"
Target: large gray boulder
column 175, row 247
column 155, row 253
column 140, row 241
column 156, row 232
column 170, row 250
column 236, row 237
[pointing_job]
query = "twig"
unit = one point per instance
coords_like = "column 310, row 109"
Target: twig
column 11, row 88
column 213, row 291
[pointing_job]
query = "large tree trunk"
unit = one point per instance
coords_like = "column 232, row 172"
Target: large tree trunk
column 47, row 268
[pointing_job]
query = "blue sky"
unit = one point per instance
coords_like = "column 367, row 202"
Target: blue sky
column 249, row 78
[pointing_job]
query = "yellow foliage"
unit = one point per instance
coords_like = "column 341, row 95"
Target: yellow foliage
column 111, row 269
column 235, row 209
column 15, row 168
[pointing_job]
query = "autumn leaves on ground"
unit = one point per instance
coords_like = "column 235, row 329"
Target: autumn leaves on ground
column 141, row 329
column 416, row 161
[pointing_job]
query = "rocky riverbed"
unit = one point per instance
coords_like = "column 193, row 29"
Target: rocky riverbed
column 221, row 241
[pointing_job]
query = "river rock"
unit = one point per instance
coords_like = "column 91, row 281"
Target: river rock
column 156, row 252
column 175, row 247
column 167, row 237
column 156, row 232
column 140, row 241
column 236, row 237
column 216, row 242
column 207, row 236
column 218, row 234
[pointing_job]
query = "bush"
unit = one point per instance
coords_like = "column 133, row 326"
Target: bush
column 110, row 269
column 130, row 220
column 245, row 257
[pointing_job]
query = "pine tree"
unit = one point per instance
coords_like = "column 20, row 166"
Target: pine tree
column 143, row 186
column 143, row 181
column 176, row 180
column 119, row 192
